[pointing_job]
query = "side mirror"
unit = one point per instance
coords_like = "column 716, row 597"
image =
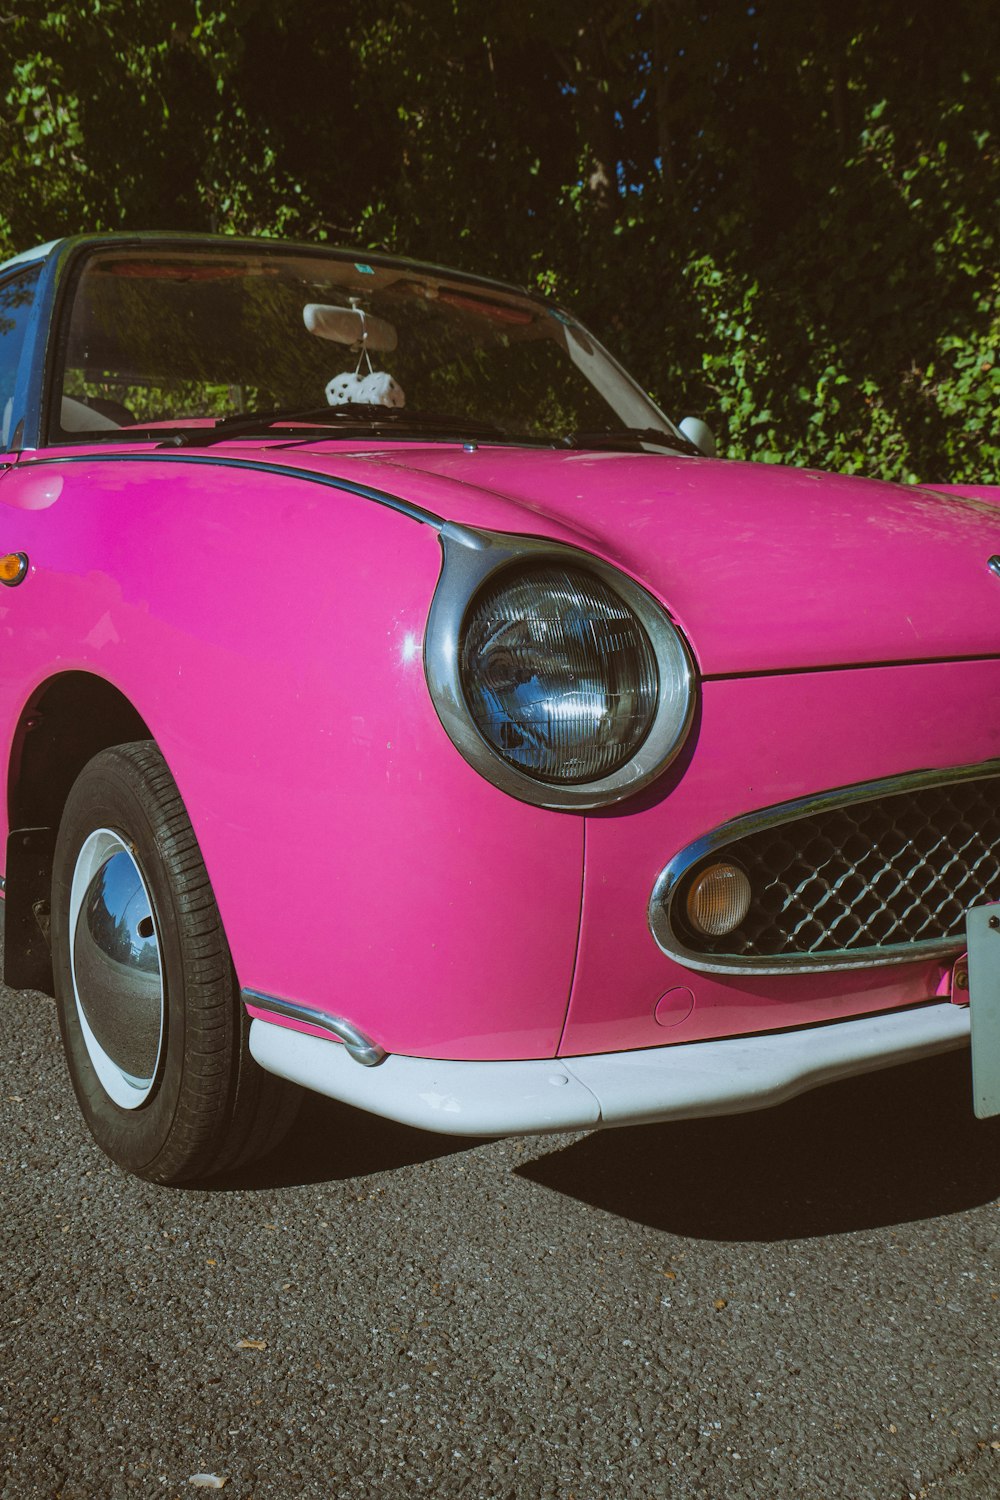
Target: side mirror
column 698, row 432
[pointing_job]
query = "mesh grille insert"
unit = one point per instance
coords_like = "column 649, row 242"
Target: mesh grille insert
column 898, row 869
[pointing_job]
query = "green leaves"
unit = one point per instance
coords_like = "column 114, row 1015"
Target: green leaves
column 782, row 217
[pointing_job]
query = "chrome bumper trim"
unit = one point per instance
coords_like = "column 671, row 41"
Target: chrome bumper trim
column 691, row 1080
column 358, row 1046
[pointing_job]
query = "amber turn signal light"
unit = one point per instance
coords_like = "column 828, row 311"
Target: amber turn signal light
column 13, row 568
column 718, row 900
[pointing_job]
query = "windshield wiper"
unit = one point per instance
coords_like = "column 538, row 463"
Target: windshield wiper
column 627, row 438
column 352, row 416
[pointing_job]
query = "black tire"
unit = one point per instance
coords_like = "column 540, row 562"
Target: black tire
column 204, row 1105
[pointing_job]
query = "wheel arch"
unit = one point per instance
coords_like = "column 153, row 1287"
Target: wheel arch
column 67, row 720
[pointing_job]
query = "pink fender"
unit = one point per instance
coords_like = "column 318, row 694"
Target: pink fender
column 269, row 633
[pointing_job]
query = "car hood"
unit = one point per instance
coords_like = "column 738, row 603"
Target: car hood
column 764, row 568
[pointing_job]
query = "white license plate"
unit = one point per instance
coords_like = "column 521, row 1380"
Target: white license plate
column 983, row 929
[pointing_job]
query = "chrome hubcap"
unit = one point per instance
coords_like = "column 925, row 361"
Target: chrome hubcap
column 117, row 975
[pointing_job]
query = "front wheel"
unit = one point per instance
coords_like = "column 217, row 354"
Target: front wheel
column 149, row 1009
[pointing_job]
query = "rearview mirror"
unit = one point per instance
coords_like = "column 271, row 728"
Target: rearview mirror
column 349, row 325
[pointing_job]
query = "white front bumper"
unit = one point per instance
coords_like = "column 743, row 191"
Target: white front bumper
column 613, row 1088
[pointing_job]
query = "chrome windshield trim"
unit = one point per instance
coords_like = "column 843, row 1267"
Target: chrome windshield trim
column 831, row 960
column 228, row 461
column 359, row 1046
column 470, row 558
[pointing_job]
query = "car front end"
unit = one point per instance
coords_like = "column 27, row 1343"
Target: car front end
column 779, row 897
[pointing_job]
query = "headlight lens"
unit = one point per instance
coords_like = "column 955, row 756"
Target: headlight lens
column 558, row 674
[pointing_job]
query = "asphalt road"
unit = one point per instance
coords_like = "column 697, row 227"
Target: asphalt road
column 798, row 1303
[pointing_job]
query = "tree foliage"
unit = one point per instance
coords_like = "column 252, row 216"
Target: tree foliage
column 782, row 216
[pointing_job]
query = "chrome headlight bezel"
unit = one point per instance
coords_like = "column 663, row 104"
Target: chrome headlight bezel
column 471, row 559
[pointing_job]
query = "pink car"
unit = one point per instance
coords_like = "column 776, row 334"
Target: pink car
column 396, row 704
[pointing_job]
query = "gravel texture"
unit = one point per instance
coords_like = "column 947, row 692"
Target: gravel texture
column 799, row 1303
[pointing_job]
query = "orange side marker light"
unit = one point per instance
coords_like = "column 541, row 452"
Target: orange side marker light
column 13, row 568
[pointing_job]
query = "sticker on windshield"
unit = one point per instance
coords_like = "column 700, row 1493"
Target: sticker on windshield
column 359, row 265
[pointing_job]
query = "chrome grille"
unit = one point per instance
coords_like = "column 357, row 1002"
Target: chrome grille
column 871, row 874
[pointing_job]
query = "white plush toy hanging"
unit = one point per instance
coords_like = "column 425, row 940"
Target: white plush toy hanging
column 375, row 388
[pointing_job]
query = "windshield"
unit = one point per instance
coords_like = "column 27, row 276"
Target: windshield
column 159, row 337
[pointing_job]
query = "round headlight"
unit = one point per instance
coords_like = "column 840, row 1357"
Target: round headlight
column 557, row 672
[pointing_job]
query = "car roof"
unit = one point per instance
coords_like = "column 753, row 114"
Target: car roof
column 26, row 256
column 258, row 243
